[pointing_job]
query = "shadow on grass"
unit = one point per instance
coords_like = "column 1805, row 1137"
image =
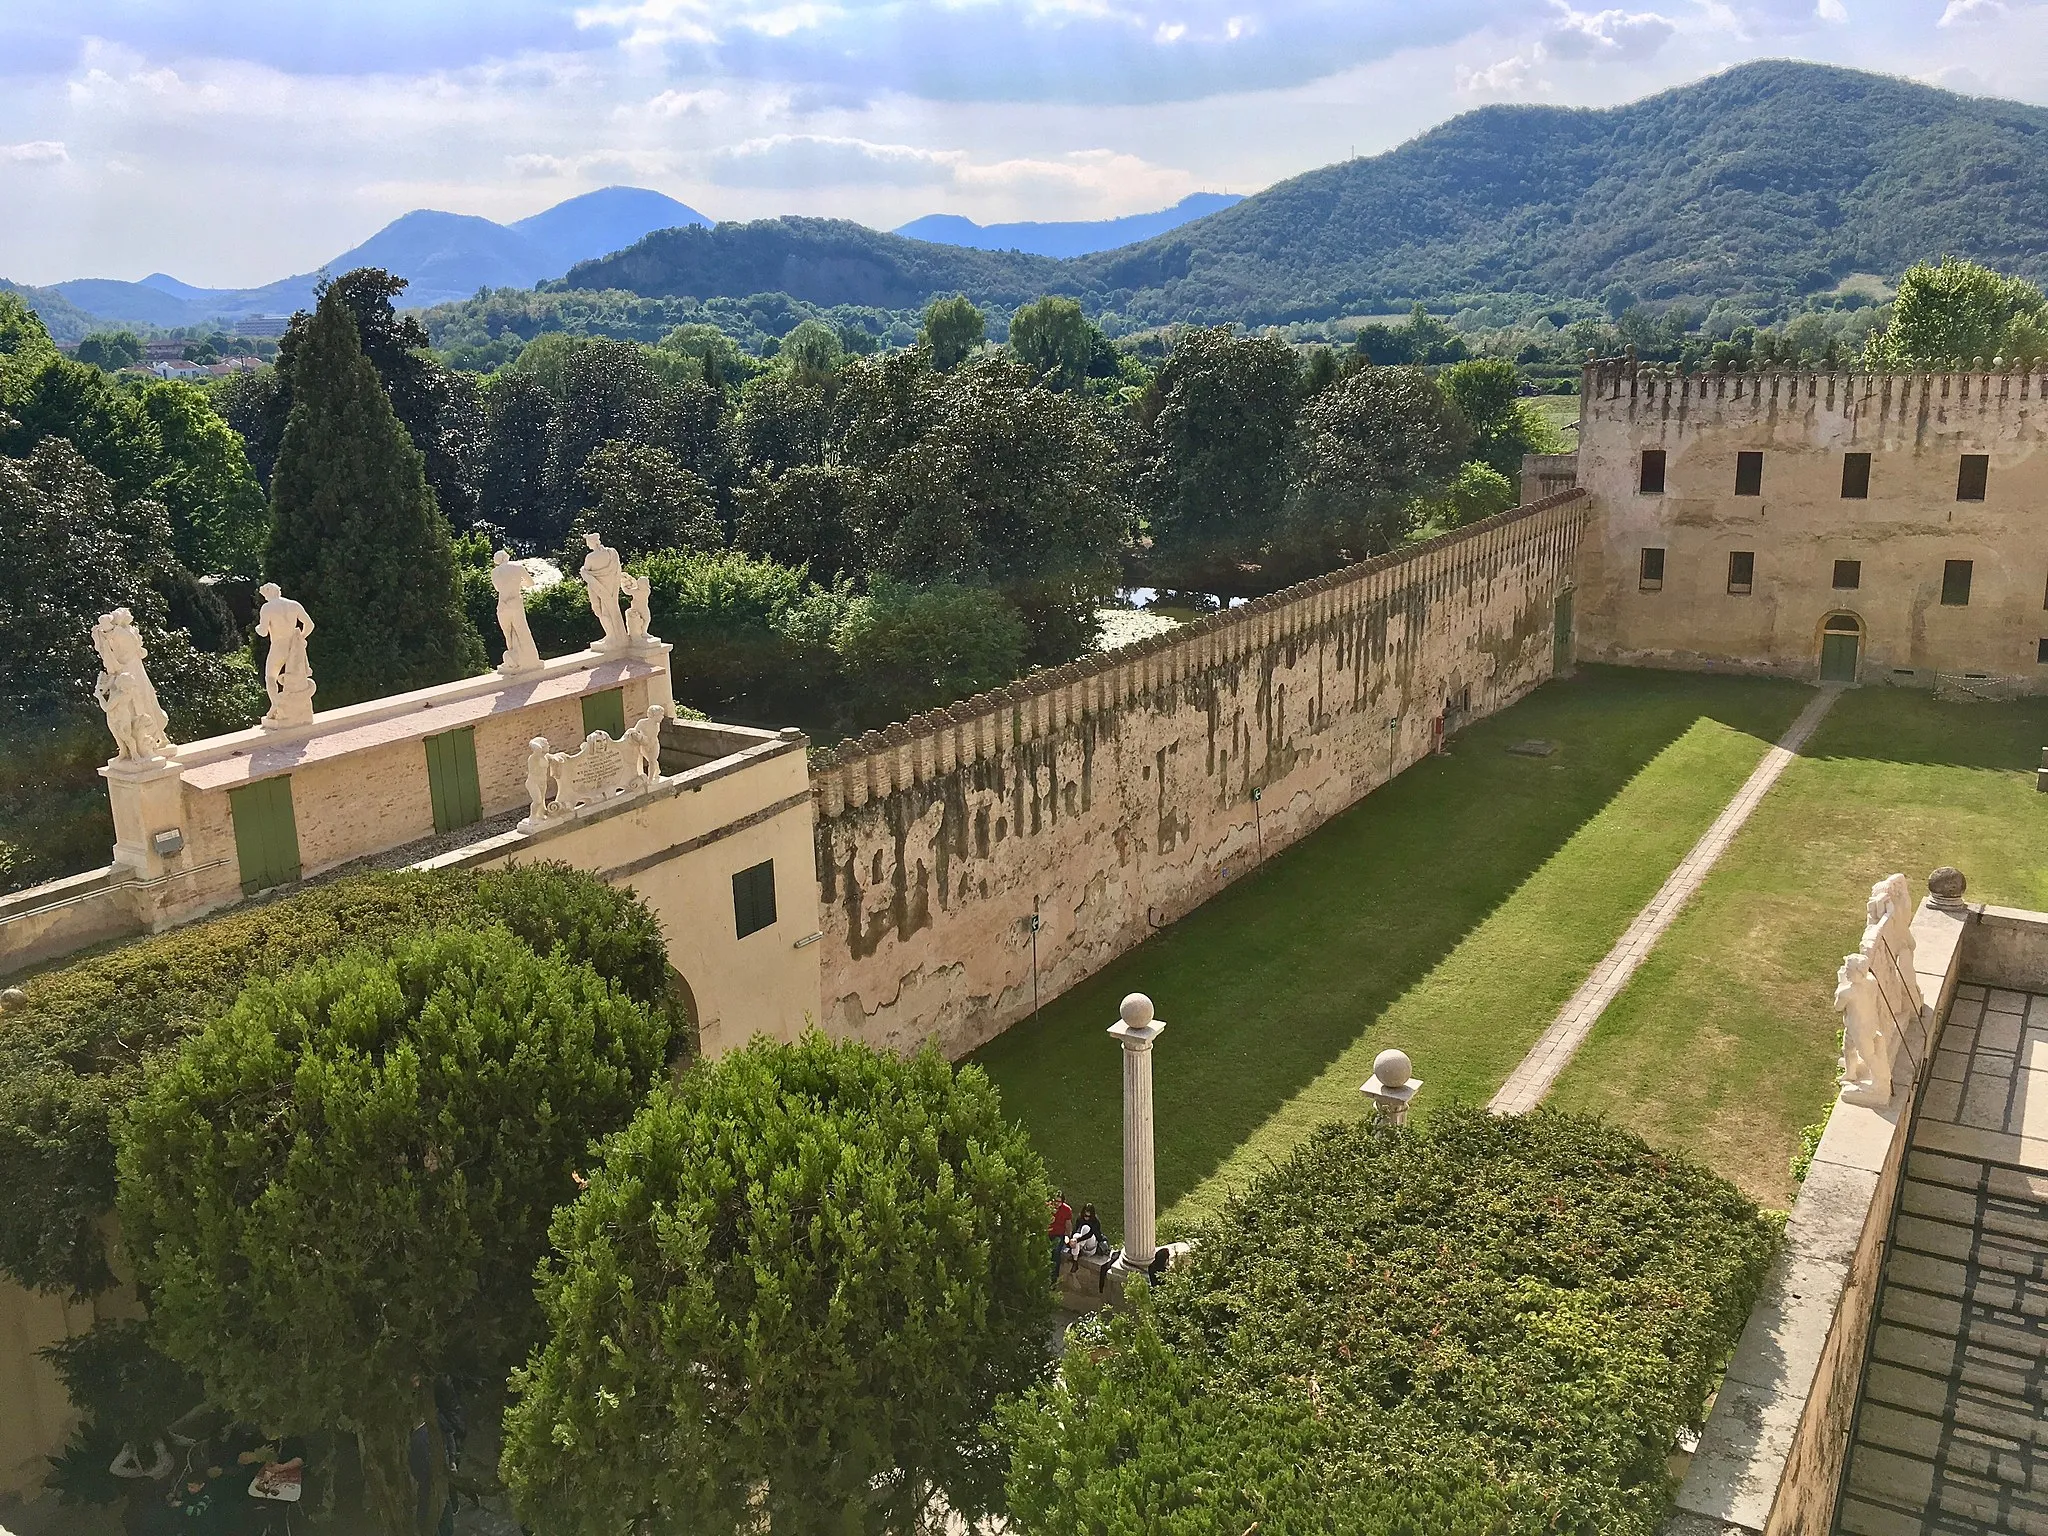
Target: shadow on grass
column 1266, row 984
column 1907, row 725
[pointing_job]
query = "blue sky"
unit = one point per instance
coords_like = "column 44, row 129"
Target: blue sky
column 234, row 141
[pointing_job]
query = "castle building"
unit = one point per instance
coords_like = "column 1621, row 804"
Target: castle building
column 1870, row 528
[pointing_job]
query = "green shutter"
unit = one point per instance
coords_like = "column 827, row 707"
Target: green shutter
column 1561, row 634
column 452, row 781
column 605, row 712
column 753, row 899
column 1838, row 658
column 266, row 833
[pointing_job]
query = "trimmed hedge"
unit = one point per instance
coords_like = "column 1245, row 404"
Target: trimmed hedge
column 1480, row 1326
column 75, row 1057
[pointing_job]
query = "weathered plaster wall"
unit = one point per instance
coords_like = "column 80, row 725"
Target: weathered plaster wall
column 1116, row 793
column 1915, row 427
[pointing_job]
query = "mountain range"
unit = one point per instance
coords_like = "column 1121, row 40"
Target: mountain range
column 449, row 256
column 1081, row 238
column 1760, row 186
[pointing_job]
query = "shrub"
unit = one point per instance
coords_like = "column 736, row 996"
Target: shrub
column 1517, row 1314
column 788, row 1300
column 336, row 1192
column 122, row 1385
column 906, row 649
column 75, row 1056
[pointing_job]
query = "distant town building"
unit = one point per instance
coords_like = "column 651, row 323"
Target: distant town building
column 177, row 370
column 228, row 365
column 262, row 325
column 164, row 351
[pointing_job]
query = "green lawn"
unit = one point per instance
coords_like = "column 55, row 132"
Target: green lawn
column 1724, row 1043
column 1451, row 912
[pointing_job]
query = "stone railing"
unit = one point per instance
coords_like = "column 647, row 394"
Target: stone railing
column 1770, row 1460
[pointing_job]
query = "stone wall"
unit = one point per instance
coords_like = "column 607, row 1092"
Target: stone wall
column 1798, row 523
column 1112, row 795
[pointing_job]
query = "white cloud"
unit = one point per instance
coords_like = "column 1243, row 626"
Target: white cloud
column 1512, row 76
column 801, row 160
column 35, row 152
column 1631, row 36
column 1831, row 10
column 1961, row 12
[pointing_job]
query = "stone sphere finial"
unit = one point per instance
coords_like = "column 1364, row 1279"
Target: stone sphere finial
column 1946, row 885
column 13, row 1000
column 1136, row 1011
column 1393, row 1069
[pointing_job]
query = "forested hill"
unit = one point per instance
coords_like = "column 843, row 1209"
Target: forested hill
column 1759, row 184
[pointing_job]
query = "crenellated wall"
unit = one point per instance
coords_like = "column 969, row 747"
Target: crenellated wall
column 1113, row 794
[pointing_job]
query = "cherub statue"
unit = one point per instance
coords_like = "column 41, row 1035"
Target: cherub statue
column 539, row 772
column 1866, row 1033
column 643, row 740
column 638, row 590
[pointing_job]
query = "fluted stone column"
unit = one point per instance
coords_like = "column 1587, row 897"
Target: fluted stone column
column 1135, row 1030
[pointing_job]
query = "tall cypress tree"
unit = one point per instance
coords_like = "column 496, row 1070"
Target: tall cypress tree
column 356, row 536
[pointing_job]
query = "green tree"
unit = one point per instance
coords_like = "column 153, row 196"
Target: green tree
column 356, row 536
column 111, row 350
column 1054, row 340
column 102, row 420
column 1958, row 309
column 1223, row 409
column 1476, row 491
column 219, row 518
column 1486, row 390
column 642, row 500
column 256, row 405
column 720, row 362
column 803, row 517
column 796, row 1287
column 953, row 330
column 512, row 484
column 812, row 352
column 728, row 616
column 782, row 422
column 24, row 340
column 1367, row 450
column 339, row 1189
column 609, row 393
column 903, row 650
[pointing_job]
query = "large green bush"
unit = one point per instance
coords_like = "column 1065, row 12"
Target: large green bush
column 75, row 1056
column 791, row 1296
column 336, row 1192
column 1513, row 1315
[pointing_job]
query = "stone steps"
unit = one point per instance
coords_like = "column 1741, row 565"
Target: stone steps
column 1951, row 1438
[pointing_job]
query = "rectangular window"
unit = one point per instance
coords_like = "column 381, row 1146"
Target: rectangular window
column 2042, row 654
column 753, row 899
column 452, row 781
column 1955, row 584
column 266, row 833
column 1650, row 477
column 1973, row 476
column 1741, row 571
column 605, row 712
column 1848, row 575
column 1855, row 476
column 1650, row 577
column 1749, row 474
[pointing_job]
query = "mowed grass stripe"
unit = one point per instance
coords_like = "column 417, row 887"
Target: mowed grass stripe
column 1725, row 1043
column 1452, row 912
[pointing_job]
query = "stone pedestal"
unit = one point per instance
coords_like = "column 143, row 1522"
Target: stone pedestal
column 147, row 799
column 1135, row 1031
column 1392, row 1086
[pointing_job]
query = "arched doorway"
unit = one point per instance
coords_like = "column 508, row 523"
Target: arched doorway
column 1841, row 647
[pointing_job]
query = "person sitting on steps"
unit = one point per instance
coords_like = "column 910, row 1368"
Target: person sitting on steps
column 1086, row 1240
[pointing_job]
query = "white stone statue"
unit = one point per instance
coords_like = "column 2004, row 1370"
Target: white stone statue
column 638, row 590
column 1890, row 912
column 287, row 672
column 602, row 578
column 539, row 773
column 140, row 728
column 1866, row 1032
column 511, row 579
column 643, row 741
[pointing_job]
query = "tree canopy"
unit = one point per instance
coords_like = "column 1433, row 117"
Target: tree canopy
column 338, row 1190
column 1954, row 310
column 795, row 1288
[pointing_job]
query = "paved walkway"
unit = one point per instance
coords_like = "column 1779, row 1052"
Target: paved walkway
column 1550, row 1055
column 1951, row 1436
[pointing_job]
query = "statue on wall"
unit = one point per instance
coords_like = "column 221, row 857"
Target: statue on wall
column 638, row 590
column 539, row 773
column 287, row 672
column 1866, row 1032
column 643, row 740
column 603, row 576
column 511, row 579
column 140, row 728
column 1890, row 912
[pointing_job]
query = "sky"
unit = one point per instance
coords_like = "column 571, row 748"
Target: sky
column 232, row 142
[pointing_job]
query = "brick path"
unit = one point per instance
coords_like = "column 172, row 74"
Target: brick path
column 1550, row 1055
column 1951, row 1434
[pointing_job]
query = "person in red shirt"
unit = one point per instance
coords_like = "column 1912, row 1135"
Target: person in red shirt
column 1062, row 1219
